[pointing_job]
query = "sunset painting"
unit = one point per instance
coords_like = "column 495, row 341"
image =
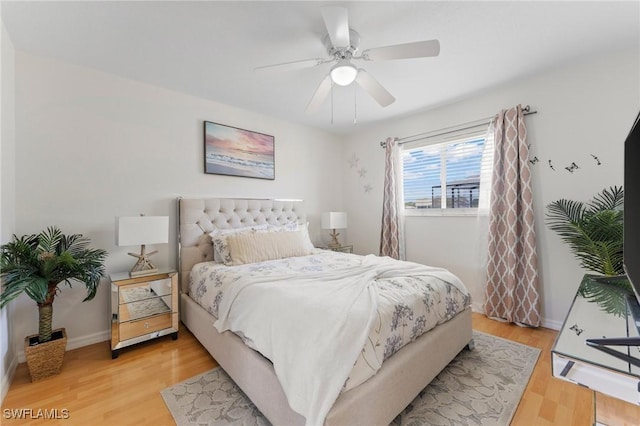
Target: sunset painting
column 238, row 152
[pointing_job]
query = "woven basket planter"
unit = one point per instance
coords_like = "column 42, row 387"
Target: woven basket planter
column 45, row 359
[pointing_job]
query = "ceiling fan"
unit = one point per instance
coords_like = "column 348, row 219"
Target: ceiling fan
column 342, row 44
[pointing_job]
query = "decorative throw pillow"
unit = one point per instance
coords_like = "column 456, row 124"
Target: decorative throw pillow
column 295, row 227
column 219, row 240
column 261, row 246
column 305, row 237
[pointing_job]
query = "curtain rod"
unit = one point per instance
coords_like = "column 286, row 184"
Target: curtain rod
column 464, row 126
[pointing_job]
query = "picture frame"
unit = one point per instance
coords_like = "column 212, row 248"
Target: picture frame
column 233, row 151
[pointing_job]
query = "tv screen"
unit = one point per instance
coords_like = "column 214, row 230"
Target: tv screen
column 631, row 246
column 632, row 207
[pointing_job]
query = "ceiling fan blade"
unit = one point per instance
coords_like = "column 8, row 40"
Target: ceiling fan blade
column 418, row 49
column 374, row 89
column 291, row 65
column 336, row 19
column 321, row 94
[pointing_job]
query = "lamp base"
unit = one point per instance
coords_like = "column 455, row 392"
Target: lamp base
column 143, row 266
column 334, row 240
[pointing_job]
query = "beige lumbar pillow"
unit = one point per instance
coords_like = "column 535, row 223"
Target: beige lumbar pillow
column 252, row 247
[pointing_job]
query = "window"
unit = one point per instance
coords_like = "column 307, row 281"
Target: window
column 450, row 169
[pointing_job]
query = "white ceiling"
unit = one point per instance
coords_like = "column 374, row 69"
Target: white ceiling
column 209, row 49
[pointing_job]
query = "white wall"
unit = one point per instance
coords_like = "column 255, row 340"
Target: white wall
column 7, row 198
column 587, row 108
column 92, row 146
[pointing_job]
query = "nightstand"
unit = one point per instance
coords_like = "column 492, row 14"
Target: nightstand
column 142, row 308
column 343, row 249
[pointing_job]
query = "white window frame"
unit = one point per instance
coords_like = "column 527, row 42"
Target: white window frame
column 456, row 137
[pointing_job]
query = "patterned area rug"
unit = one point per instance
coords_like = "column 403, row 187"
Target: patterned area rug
column 147, row 308
column 137, row 293
column 479, row 387
column 142, row 302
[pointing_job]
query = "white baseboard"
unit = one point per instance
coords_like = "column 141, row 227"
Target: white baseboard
column 77, row 342
column 546, row 323
column 8, row 378
column 552, row 324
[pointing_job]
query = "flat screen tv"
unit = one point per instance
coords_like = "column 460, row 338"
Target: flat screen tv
column 632, row 207
column 631, row 242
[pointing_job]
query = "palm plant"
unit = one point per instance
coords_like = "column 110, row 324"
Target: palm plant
column 38, row 264
column 594, row 233
column 592, row 230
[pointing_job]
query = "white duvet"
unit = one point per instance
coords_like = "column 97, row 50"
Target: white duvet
column 313, row 323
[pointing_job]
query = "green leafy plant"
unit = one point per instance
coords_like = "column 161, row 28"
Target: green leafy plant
column 38, row 264
column 594, row 233
column 608, row 292
column 593, row 230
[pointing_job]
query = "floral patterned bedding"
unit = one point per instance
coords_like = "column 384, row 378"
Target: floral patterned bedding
column 407, row 306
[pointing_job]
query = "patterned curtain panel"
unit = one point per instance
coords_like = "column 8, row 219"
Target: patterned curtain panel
column 392, row 234
column 512, row 273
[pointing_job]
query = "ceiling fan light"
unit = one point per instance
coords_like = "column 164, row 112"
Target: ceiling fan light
column 343, row 73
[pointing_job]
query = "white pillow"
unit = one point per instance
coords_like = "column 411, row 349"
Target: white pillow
column 295, row 227
column 252, row 247
column 305, row 237
column 219, row 240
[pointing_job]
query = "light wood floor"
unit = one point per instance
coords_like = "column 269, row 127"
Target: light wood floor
column 98, row 390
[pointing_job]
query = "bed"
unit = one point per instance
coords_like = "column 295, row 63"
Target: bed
column 377, row 400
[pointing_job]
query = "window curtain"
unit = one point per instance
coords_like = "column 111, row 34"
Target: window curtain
column 392, row 233
column 512, row 274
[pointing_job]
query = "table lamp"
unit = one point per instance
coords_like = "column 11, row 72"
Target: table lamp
column 334, row 220
column 142, row 230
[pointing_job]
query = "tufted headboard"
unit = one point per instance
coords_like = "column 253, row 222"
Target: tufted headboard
column 197, row 217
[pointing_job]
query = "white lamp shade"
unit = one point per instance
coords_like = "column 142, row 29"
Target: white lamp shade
column 334, row 220
column 139, row 230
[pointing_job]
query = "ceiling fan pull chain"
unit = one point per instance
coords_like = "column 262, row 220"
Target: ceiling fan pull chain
column 331, row 102
column 355, row 105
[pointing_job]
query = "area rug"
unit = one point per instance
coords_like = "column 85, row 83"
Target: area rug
column 147, row 308
column 142, row 302
column 479, row 387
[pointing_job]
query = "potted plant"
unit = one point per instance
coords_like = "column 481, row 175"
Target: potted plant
column 37, row 265
column 594, row 233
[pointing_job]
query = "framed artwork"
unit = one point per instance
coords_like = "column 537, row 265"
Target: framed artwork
column 238, row 152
